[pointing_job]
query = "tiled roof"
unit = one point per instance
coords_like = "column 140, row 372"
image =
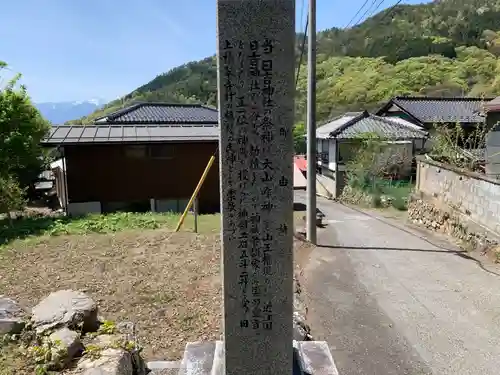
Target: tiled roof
column 323, row 132
column 382, row 126
column 70, row 135
column 439, row 110
column 162, row 113
column 347, row 127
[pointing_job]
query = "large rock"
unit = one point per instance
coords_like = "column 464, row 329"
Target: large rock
column 11, row 316
column 65, row 344
column 65, row 308
column 103, row 342
column 110, row 362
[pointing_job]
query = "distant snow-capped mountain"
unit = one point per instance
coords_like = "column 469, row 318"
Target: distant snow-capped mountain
column 60, row 112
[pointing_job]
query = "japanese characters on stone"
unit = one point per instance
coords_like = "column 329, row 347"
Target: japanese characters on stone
column 250, row 131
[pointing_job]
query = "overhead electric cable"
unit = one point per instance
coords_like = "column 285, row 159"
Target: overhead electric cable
column 353, row 18
column 302, row 47
column 365, row 13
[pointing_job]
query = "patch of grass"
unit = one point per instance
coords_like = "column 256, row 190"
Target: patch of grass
column 14, row 362
column 110, row 223
column 399, row 195
column 380, row 191
column 107, row 327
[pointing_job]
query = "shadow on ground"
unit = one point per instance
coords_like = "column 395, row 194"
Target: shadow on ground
column 27, row 226
column 301, row 207
column 460, row 253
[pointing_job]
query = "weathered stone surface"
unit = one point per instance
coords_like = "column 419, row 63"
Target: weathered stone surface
column 11, row 316
column 110, row 362
column 107, row 341
column 164, row 367
column 256, row 89
column 65, row 308
column 198, row 358
column 65, row 345
column 442, row 218
column 309, row 358
column 301, row 330
column 470, row 193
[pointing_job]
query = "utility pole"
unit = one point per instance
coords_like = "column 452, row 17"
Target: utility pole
column 311, row 126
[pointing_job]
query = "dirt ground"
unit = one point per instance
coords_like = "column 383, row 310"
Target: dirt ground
column 167, row 283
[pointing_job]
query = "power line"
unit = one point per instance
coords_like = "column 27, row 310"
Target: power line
column 302, row 12
column 366, row 12
column 302, row 48
column 303, row 43
column 376, row 8
column 373, row 12
column 359, row 10
column 391, row 9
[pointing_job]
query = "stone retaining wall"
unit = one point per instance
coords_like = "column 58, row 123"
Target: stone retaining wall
column 471, row 194
column 459, row 203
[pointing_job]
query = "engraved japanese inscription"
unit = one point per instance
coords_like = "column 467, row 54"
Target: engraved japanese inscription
column 256, row 78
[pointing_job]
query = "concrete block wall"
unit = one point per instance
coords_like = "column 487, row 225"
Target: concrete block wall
column 473, row 194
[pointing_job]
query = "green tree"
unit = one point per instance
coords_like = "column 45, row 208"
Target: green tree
column 11, row 196
column 299, row 138
column 21, row 130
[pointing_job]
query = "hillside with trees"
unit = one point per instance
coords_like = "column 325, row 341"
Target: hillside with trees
column 448, row 47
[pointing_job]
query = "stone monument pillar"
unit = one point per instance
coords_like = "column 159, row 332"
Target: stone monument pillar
column 256, row 59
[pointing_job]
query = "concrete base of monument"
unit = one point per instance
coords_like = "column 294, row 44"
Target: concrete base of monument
column 207, row 358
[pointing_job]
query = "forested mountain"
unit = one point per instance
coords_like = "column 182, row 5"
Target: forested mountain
column 448, row 47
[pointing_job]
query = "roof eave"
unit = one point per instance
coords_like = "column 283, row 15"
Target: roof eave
column 51, row 144
column 349, row 123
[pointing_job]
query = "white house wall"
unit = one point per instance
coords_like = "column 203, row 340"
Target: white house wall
column 332, row 151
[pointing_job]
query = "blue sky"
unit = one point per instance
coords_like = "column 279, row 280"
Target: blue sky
column 83, row 49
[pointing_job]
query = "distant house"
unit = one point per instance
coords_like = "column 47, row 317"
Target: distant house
column 427, row 111
column 336, row 138
column 149, row 156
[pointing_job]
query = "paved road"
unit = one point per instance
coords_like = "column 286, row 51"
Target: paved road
column 391, row 300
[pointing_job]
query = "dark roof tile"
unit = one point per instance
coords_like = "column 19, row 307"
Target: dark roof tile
column 383, row 126
column 439, row 110
column 162, row 113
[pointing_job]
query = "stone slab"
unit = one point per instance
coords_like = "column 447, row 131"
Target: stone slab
column 198, row 358
column 11, row 316
column 316, row 358
column 164, row 367
column 309, row 358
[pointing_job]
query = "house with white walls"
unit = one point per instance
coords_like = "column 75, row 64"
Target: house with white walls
column 336, row 138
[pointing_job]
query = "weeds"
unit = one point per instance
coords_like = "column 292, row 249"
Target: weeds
column 459, row 146
column 107, row 328
column 375, row 160
column 111, row 223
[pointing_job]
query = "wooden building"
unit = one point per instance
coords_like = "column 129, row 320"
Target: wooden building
column 149, row 156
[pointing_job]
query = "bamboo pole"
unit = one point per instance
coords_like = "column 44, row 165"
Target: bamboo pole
column 195, row 193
